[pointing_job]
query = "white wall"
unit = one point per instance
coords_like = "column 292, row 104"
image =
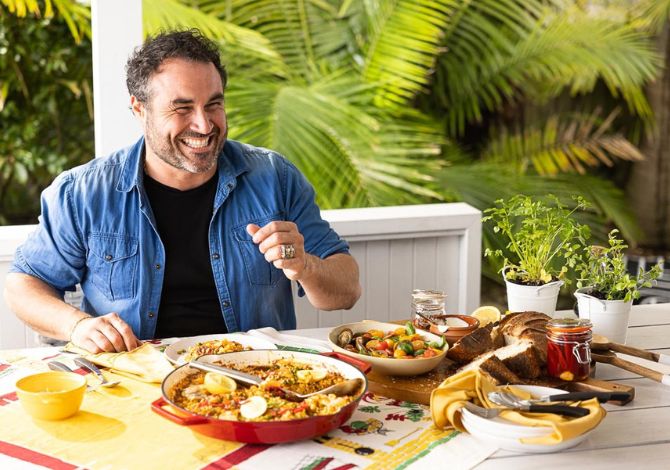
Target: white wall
column 13, row 333
column 398, row 249
column 436, row 246
column 117, row 29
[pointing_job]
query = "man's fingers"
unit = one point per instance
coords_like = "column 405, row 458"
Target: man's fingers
column 128, row 338
column 280, row 238
column 252, row 229
column 102, row 342
column 276, row 226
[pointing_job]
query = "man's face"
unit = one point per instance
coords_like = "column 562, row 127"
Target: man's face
column 185, row 120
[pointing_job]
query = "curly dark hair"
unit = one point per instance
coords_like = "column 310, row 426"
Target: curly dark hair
column 187, row 44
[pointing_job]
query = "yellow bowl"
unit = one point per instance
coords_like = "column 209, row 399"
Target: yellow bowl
column 51, row 395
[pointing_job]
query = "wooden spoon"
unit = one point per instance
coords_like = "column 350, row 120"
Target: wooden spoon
column 601, row 343
column 608, row 357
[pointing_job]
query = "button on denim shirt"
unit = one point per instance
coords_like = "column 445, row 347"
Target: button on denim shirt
column 97, row 230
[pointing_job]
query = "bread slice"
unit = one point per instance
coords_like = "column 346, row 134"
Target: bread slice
column 526, row 326
column 499, row 372
column 473, row 345
column 520, row 358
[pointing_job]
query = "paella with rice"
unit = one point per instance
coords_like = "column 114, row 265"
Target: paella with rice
column 217, row 346
column 218, row 396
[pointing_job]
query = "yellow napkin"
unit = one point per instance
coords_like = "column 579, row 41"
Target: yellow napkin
column 447, row 400
column 144, row 363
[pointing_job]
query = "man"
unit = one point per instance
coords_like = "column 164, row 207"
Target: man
column 183, row 233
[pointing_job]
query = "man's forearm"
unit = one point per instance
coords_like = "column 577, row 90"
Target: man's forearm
column 40, row 307
column 331, row 283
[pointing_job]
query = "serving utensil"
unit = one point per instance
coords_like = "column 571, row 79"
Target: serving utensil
column 608, row 357
column 348, row 387
column 513, row 402
column 602, row 343
column 440, row 328
column 86, row 364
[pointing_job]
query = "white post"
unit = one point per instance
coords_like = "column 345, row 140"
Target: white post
column 117, row 30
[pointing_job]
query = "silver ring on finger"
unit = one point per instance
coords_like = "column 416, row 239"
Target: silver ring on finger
column 287, row 251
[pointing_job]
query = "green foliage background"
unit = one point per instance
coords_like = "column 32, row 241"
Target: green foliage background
column 46, row 114
column 378, row 102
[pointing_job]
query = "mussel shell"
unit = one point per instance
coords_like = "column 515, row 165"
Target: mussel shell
column 360, row 345
column 344, row 337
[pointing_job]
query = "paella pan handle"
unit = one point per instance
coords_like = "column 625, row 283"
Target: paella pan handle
column 157, row 407
column 363, row 366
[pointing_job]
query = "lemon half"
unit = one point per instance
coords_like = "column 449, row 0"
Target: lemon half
column 219, row 384
column 486, row 314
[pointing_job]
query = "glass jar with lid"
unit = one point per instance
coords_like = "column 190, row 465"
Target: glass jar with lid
column 427, row 303
column 569, row 348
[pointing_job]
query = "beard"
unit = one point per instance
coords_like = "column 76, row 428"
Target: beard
column 195, row 161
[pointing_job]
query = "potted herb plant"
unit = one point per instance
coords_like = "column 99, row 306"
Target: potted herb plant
column 606, row 289
column 542, row 241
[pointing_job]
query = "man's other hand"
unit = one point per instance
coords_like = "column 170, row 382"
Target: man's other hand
column 283, row 246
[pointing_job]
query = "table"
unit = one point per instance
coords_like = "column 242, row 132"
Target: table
column 637, row 432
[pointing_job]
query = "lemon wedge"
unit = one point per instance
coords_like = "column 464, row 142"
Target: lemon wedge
column 311, row 375
column 219, row 384
column 253, row 407
column 319, row 373
column 486, row 314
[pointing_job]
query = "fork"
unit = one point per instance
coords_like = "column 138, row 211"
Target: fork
column 486, row 413
column 512, row 401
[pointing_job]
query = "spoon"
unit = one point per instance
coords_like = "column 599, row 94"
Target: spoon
column 601, row 343
column 57, row 365
column 440, row 328
column 86, row 364
column 339, row 389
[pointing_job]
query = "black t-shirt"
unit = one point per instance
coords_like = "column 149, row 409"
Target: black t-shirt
column 189, row 301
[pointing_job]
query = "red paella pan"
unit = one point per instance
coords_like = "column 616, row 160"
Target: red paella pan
column 263, row 432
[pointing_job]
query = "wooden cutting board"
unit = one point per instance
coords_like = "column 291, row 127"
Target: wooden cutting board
column 417, row 389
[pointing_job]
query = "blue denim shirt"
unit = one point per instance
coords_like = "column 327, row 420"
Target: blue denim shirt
column 97, row 229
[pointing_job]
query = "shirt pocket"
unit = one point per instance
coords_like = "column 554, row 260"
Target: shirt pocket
column 112, row 263
column 259, row 271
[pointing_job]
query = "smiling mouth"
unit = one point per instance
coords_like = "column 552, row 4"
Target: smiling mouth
column 197, row 143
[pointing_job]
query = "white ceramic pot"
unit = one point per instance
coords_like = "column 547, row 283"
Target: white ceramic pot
column 609, row 317
column 522, row 298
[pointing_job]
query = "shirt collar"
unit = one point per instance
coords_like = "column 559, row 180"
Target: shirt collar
column 231, row 164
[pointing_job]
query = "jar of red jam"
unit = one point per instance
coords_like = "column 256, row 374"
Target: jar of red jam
column 569, row 348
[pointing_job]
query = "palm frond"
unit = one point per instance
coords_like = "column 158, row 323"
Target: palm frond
column 354, row 154
column 404, row 38
column 562, row 143
column 492, row 60
column 307, row 34
column 652, row 14
column 76, row 15
column 480, row 184
column 241, row 46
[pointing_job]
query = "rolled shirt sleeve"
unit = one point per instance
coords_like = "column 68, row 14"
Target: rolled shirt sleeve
column 320, row 239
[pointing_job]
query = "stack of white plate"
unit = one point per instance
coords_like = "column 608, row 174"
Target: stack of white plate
column 506, row 434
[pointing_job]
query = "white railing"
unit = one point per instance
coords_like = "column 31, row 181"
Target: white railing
column 434, row 246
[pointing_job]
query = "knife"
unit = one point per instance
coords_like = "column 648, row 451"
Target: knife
column 602, row 397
